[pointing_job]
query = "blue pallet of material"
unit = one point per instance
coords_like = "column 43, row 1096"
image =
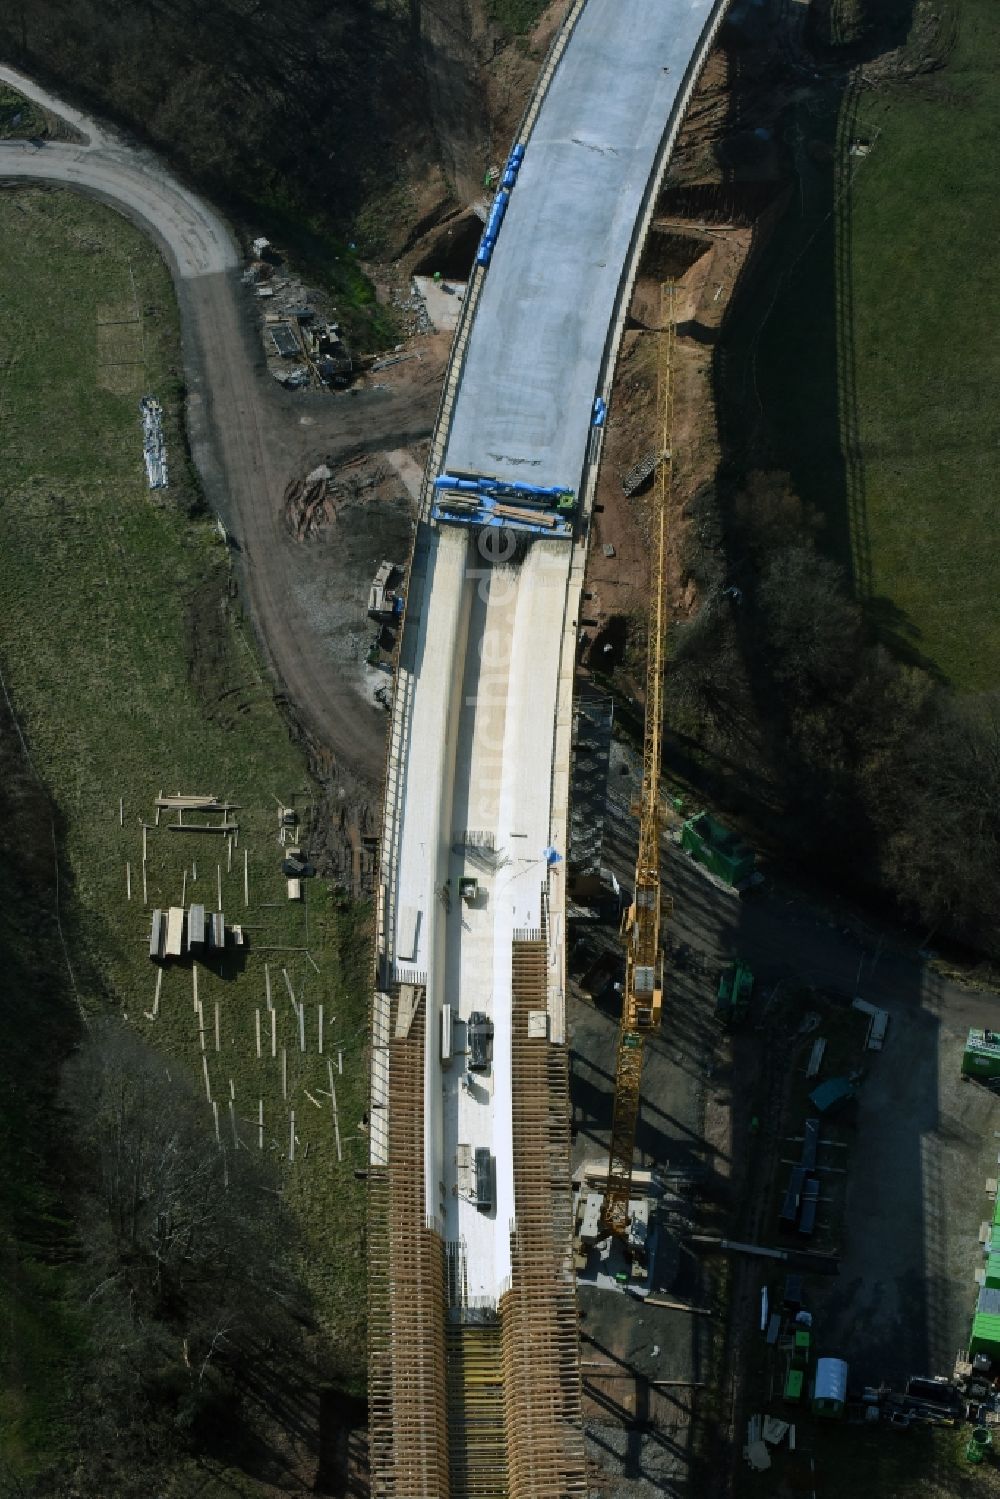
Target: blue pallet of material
column 512, row 168
column 599, row 413
column 551, row 496
column 496, row 214
column 455, row 481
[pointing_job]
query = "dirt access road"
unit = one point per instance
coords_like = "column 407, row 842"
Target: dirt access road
column 248, row 437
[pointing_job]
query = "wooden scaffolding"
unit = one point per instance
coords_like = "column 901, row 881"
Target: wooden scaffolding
column 538, row 1316
column 407, row 1286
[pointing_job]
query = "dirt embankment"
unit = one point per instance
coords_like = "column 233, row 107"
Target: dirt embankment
column 724, row 185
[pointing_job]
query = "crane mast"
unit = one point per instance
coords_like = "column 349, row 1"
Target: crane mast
column 642, row 996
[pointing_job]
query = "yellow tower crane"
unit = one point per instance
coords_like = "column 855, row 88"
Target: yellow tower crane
column 642, row 997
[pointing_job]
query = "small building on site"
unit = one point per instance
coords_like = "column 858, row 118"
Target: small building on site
column 981, row 1057
column 723, row 853
column 985, row 1335
column 830, row 1390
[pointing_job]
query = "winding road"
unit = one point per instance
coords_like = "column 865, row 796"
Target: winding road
column 246, row 435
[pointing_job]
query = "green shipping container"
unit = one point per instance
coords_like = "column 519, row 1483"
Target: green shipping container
column 993, row 1270
column 793, row 1386
column 981, row 1057
column 996, row 1215
column 985, row 1335
column 721, row 851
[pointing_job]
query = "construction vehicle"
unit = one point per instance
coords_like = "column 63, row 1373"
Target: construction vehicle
column 385, row 602
column 642, row 993
column 484, row 1179
column 480, row 1031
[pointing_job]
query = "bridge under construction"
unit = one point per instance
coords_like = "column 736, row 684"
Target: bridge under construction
column 474, row 1372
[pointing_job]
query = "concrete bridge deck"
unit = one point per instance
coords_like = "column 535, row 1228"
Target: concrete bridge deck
column 479, row 762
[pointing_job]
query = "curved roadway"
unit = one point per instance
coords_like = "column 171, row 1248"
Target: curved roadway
column 479, row 771
column 244, row 450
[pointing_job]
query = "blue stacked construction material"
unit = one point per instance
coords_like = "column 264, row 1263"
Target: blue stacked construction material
column 500, row 202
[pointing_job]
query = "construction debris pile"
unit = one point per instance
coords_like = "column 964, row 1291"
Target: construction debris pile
column 154, row 448
column 312, row 503
column 303, row 348
column 319, row 353
column 416, row 317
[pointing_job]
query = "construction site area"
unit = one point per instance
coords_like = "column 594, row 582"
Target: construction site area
column 680, row 1178
column 730, row 1171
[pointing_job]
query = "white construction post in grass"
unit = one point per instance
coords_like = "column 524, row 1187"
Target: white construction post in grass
column 340, row 1062
column 144, row 843
column 201, row 1024
column 246, row 878
column 217, row 1025
column 291, row 1135
column 333, row 1109
column 274, row 1033
column 215, row 1116
column 319, row 1030
column 256, row 1031
column 128, row 881
column 145, row 897
column 184, row 887
column 302, row 1025
column 284, row 1073
column 267, row 985
column 232, row 1120
column 121, row 812
column 159, row 798
column 218, row 886
column 229, row 854
column 208, row 1085
column 194, row 985
column 260, row 1123
column 159, row 986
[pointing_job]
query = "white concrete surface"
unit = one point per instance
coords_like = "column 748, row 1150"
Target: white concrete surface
column 478, row 763
column 443, row 301
column 195, row 238
column 533, row 364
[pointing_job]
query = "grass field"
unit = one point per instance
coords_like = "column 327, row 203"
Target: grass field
column 866, row 355
column 130, row 672
column 18, row 116
column 926, row 303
